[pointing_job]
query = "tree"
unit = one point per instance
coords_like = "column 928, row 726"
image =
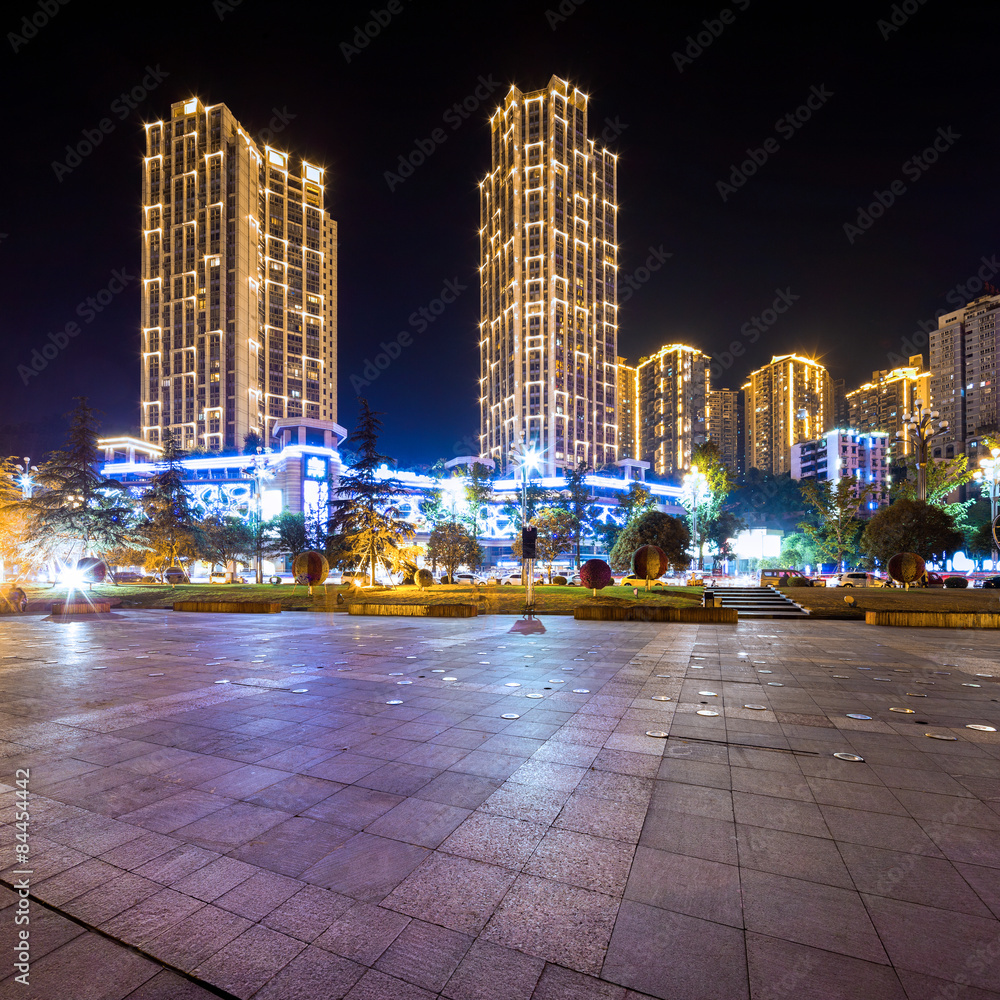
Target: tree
column 979, row 542
column 451, row 545
column 73, row 502
column 169, row 528
column 577, row 499
column 722, row 531
column 15, row 546
column 252, row 443
column 635, row 502
column 765, row 500
column 536, row 497
column 555, row 536
column 911, row 526
column 287, row 534
column 798, row 551
column 718, row 483
column 836, row 507
column 944, row 476
column 478, row 495
column 227, row 540
column 652, row 528
column 364, row 511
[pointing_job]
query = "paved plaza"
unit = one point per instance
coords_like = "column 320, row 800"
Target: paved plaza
column 312, row 806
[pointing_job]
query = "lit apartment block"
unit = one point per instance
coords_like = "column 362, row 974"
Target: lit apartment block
column 786, row 401
column 239, row 285
column 879, row 405
column 672, row 414
column 964, row 378
column 548, row 265
column 839, row 453
column 628, row 407
column 725, row 426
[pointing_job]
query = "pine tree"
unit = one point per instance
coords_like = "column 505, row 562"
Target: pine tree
column 364, row 511
column 170, row 528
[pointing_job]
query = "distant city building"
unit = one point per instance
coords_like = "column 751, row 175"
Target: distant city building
column 841, row 413
column 672, row 411
column 785, row 402
column 548, row 295
column 841, row 453
column 963, row 364
column 628, row 406
column 725, row 426
column 879, row 405
column 239, row 290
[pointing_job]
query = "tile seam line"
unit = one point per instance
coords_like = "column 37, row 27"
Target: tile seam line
column 135, row 949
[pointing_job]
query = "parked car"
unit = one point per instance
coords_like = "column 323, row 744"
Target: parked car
column 778, row 577
column 932, row 580
column 635, row 581
column 575, row 581
column 855, row 579
column 514, row 580
column 466, row 579
column 991, row 583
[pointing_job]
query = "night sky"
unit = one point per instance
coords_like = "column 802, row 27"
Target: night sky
column 878, row 103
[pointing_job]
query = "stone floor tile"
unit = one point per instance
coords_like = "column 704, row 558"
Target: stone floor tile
column 695, row 800
column 705, row 889
column 245, row 964
column 365, row 867
column 354, row 807
column 498, row 840
column 214, row 879
column 378, row 986
column 418, row 821
column 698, row 836
column 873, row 829
column 492, row 972
column 810, row 913
column 466, row 791
column 261, row 893
column 456, row 893
column 555, row 921
column 779, row 813
column 602, row 818
column 308, row 913
column 311, row 975
column 176, row 811
column 584, row 861
column 151, row 917
column 488, row 765
column 558, row 983
column 110, row 898
column 195, row 938
column 425, row 955
column 174, row 865
column 362, row 933
column 231, row 826
column 293, row 846
column 714, row 966
column 166, row 985
column 530, row 803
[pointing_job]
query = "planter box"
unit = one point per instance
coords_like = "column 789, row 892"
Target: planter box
column 81, row 607
column 933, row 619
column 644, row 613
column 230, row 607
column 416, row 610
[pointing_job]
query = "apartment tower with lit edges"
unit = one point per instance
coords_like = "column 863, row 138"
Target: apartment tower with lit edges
column 548, row 284
column 239, row 285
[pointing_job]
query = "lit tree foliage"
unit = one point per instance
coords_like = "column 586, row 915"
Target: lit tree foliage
column 911, row 526
column 652, row 528
column 556, row 531
column 170, row 529
column 451, row 545
column 836, row 507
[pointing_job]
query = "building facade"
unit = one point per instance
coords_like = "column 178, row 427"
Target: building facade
column 548, row 284
column 785, row 402
column 628, row 407
column 879, row 405
column 672, row 413
column 963, row 364
column 725, row 426
column 839, row 453
column 239, row 284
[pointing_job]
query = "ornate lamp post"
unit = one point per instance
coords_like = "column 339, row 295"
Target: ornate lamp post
column 989, row 478
column 696, row 488
column 259, row 473
column 25, row 478
column 526, row 457
column 919, row 427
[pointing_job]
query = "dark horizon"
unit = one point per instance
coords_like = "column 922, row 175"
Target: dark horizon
column 879, row 95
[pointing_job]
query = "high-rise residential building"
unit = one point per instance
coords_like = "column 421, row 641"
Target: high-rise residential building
column 239, row 285
column 839, row 453
column 725, row 426
column 548, row 292
column 879, row 405
column 672, row 412
column 841, row 410
column 628, row 407
column 963, row 364
column 786, row 401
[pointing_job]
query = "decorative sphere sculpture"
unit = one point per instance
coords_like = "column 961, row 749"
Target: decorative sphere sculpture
column 649, row 562
column 595, row 574
column 92, row 570
column 905, row 567
column 311, row 567
column 423, row 578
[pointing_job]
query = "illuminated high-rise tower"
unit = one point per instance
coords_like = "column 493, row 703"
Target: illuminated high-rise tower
column 548, row 289
column 239, row 285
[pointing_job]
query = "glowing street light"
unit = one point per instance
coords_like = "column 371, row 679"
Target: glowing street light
column 989, row 479
column 25, row 479
column 696, row 492
column 259, row 473
column 919, row 427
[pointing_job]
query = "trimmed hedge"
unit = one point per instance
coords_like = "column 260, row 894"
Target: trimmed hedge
column 956, row 582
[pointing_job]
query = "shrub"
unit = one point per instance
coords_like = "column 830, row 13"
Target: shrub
column 799, row 581
column 595, row 574
column 423, row 578
column 956, row 582
column 559, row 581
column 444, row 579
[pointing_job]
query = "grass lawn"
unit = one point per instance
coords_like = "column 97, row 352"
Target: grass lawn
column 828, row 602
column 497, row 600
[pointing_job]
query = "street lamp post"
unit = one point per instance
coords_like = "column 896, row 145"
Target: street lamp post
column 526, row 456
column 25, row 478
column 919, row 428
column 259, row 472
column 696, row 486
